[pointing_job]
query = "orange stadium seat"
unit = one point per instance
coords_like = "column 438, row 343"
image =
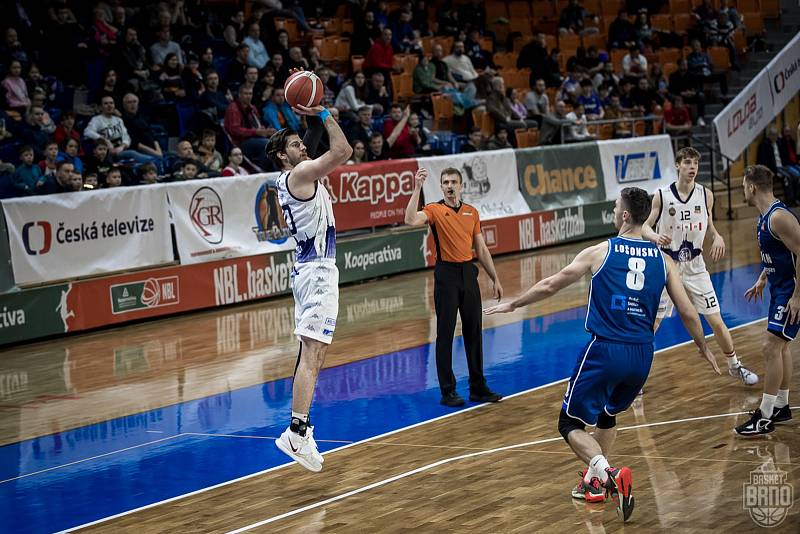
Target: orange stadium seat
column 720, row 57
column 661, row 23
column 682, row 23
column 669, row 55
column 753, row 23
column 519, row 9
column 771, row 9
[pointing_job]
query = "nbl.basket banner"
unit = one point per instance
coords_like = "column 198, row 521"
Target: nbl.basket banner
column 371, row 194
column 645, row 162
column 489, row 181
column 227, row 218
column 72, row 235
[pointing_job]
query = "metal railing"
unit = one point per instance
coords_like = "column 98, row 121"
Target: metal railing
column 653, row 119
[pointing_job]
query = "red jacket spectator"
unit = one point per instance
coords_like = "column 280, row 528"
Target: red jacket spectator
column 381, row 55
column 397, row 134
column 241, row 121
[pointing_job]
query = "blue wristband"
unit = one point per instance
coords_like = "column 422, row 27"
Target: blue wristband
column 324, row 114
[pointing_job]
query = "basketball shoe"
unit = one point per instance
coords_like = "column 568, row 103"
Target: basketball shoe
column 302, row 449
column 745, row 375
column 591, row 492
column 781, row 415
column 757, row 425
column 619, row 487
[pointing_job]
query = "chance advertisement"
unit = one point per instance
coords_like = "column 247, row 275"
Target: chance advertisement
column 489, row 182
column 227, row 218
column 645, row 162
column 558, row 176
column 71, row 235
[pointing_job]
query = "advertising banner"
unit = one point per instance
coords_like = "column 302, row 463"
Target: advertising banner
column 6, row 273
column 227, row 218
column 558, row 176
column 645, row 162
column 70, row 235
column 489, row 182
column 371, row 194
column 34, row 313
column 360, row 259
column 746, row 116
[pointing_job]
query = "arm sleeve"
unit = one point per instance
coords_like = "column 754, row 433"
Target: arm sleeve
column 91, row 129
column 313, row 136
column 430, row 212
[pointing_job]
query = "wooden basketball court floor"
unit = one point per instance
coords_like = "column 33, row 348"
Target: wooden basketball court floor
column 167, row 426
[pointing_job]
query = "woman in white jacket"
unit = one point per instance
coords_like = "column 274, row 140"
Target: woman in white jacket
column 351, row 97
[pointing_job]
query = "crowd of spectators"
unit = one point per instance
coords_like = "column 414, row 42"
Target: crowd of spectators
column 125, row 92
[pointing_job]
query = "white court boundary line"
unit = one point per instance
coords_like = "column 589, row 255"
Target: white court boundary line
column 379, row 436
column 454, row 459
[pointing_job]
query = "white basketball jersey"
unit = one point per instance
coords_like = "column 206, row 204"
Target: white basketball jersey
column 685, row 221
column 310, row 221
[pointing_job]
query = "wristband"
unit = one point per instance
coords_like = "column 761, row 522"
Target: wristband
column 324, row 114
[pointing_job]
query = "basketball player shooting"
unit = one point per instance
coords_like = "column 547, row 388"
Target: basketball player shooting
column 628, row 275
column 308, row 212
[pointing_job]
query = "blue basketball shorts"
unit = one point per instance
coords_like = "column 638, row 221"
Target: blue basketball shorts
column 607, row 377
column 778, row 318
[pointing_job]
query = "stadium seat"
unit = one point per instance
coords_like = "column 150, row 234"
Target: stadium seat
column 533, row 137
column 680, row 7
column 669, row 55
column 442, row 111
column 357, row 63
column 519, row 9
column 668, row 68
column 720, row 57
column 521, row 134
column 662, row 23
column 544, row 10
column 753, row 23
column 748, row 6
column 569, row 41
column 771, row 9
column 682, row 22
column 597, row 40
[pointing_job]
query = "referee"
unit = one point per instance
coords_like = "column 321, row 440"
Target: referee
column 456, row 230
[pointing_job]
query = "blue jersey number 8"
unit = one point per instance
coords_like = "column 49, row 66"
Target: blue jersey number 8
column 635, row 278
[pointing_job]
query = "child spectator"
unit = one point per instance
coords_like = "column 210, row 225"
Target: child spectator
column 66, row 128
column 474, row 140
column 69, row 153
column 499, row 140
column 113, row 177
column 48, row 165
column 16, row 91
column 148, row 173
column 590, row 101
column 90, row 181
column 99, row 162
column 27, row 174
column 207, row 151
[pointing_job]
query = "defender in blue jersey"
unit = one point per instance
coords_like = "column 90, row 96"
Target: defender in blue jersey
column 628, row 276
column 778, row 235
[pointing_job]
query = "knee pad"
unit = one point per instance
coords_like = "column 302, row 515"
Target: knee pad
column 606, row 421
column 567, row 424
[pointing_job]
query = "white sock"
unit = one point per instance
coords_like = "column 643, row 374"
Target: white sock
column 767, row 404
column 733, row 361
column 782, row 399
column 597, row 468
column 302, row 416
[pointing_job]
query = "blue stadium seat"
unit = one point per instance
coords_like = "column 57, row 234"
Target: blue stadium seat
column 185, row 112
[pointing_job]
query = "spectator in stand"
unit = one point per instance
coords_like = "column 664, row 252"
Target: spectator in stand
column 38, row 128
column 419, row 17
column 706, row 17
column 402, row 32
column 397, row 133
column 206, row 59
column 104, row 34
column 552, row 125
column 12, row 49
column 130, row 60
column 58, row 182
column 473, row 15
column 281, row 45
column 16, row 90
column 572, row 18
column 733, row 15
column 578, row 131
column 69, row 153
column 251, row 81
column 165, row 45
column 362, row 129
column 359, row 154
column 500, row 110
column 534, row 56
column 700, row 65
column 591, row 62
column 185, row 152
column 366, row 33
column 99, row 162
column 499, row 140
column 646, row 100
column 191, row 78
column 474, row 141
column 773, row 154
column 110, row 87
column 75, row 181
column 419, row 136
column 461, row 68
column 518, row 110
column 378, row 95
column 480, row 58
column 296, row 59
column 606, row 76
column 677, row 121
column 570, row 87
column 634, row 64
column 791, row 178
column 243, row 125
column 327, row 78
column 622, row 32
column 213, row 101
column 278, row 67
column 590, row 101
column 721, row 34
column 171, row 80
column 90, row 181
column 234, row 167
column 377, row 148
column 266, row 86
column 48, row 164
column 687, row 85
column 352, row 96
column 286, row 9
column 381, row 55
column 234, row 31
column 37, row 83
column 113, row 177
column 237, row 68
column 657, row 80
column 27, row 174
column 615, row 111
column 258, row 56
column 278, row 114
column 111, row 128
column 314, row 60
column 425, row 80
column 537, row 102
column 140, row 130
column 148, row 175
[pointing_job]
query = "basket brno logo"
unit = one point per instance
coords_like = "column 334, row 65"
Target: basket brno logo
column 205, row 211
column 768, row 497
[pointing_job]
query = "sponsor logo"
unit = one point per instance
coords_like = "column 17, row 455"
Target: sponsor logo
column 371, row 308
column 768, row 496
column 619, row 302
column 375, row 189
column 366, row 260
column 10, row 318
column 206, row 214
column 672, row 211
column 607, row 217
column 749, row 113
column 13, row 383
column 259, row 282
column 540, row 181
column 476, row 179
column 270, row 222
column 37, row 236
column 327, row 332
column 780, row 79
column 553, row 227
column 330, row 321
column 41, row 240
column 143, row 294
column 637, row 167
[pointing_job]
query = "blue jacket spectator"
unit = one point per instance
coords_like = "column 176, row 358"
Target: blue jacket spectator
column 278, row 114
column 27, row 174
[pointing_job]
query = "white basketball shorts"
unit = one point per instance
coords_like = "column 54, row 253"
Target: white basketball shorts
column 701, row 293
column 315, row 285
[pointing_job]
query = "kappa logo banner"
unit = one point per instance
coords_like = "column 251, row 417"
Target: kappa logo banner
column 645, row 162
column 70, row 235
column 227, row 217
column 488, row 181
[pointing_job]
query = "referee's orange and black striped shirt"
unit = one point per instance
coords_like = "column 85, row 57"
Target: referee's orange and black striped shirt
column 453, row 230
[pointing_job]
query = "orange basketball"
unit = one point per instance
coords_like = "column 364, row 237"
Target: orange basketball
column 304, row 88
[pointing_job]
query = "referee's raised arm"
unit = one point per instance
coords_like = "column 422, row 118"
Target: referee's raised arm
column 414, row 217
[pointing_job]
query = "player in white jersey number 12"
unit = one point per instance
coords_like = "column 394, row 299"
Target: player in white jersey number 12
column 308, row 212
column 681, row 216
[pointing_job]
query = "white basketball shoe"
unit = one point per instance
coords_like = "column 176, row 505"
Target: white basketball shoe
column 745, row 375
column 302, row 449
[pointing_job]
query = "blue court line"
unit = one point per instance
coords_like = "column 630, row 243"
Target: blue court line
column 353, row 402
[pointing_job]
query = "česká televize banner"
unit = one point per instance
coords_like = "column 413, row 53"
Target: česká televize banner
column 489, row 182
column 558, row 176
column 759, row 102
column 71, row 235
column 371, row 194
column 227, row 218
column 645, row 162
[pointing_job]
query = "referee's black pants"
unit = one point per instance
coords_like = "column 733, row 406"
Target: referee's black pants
column 456, row 290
